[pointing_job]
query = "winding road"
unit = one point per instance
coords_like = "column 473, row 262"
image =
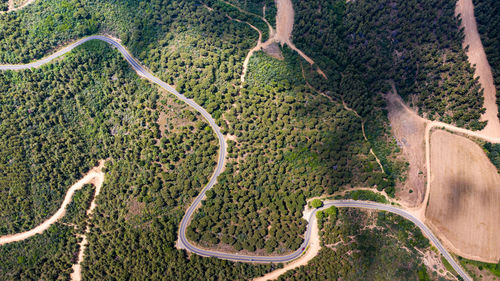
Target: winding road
column 183, row 241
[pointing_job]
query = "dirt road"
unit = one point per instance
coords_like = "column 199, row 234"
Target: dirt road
column 77, row 268
column 94, row 176
column 478, row 58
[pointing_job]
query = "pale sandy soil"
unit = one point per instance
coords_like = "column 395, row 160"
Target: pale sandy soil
column 284, row 20
column 230, row 137
column 478, row 58
column 409, row 129
column 98, row 181
column 312, row 251
column 94, row 176
column 463, row 203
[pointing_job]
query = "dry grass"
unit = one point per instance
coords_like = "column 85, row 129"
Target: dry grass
column 464, row 198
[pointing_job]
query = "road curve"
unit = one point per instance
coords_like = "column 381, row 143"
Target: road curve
column 222, row 153
column 141, row 71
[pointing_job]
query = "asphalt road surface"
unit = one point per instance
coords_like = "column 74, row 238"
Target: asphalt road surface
column 184, row 243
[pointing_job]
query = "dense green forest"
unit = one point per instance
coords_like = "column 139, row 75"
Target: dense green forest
column 48, row 256
column 366, row 245
column 487, row 14
column 146, row 177
column 363, row 44
column 286, row 141
column 290, row 144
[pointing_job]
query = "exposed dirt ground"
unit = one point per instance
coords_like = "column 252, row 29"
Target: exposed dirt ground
column 478, row 58
column 273, row 50
column 464, row 197
column 284, row 20
column 409, row 129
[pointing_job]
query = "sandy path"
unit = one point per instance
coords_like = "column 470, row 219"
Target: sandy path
column 478, row 58
column 284, row 27
column 312, row 251
column 250, row 53
column 94, row 176
column 77, row 269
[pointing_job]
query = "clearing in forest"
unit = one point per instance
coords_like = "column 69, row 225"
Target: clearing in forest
column 464, row 195
column 409, row 130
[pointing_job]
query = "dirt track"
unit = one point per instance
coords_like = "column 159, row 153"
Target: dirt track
column 77, row 269
column 464, row 195
column 94, row 176
column 478, row 58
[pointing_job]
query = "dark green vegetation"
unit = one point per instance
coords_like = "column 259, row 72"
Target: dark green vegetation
column 364, row 195
column 352, row 251
column 291, row 144
column 487, row 14
column 48, row 256
column 493, row 152
column 491, row 267
column 147, row 179
column 288, row 142
column 417, row 44
column 4, row 5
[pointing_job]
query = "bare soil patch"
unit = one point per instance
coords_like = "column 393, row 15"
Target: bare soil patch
column 478, row 58
column 463, row 202
column 273, row 50
column 409, row 129
column 284, row 20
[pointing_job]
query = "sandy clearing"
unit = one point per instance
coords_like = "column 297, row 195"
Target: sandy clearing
column 312, row 251
column 409, row 130
column 76, row 275
column 463, row 204
column 94, row 176
column 478, row 58
column 284, row 20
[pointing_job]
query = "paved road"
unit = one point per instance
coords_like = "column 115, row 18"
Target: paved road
column 183, row 242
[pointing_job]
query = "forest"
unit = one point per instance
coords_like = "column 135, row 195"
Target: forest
column 493, row 152
column 286, row 141
column 367, row 245
column 487, row 14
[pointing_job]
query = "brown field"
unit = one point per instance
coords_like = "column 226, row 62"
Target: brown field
column 409, row 130
column 464, row 198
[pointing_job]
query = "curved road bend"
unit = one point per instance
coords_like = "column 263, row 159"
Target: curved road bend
column 222, row 153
